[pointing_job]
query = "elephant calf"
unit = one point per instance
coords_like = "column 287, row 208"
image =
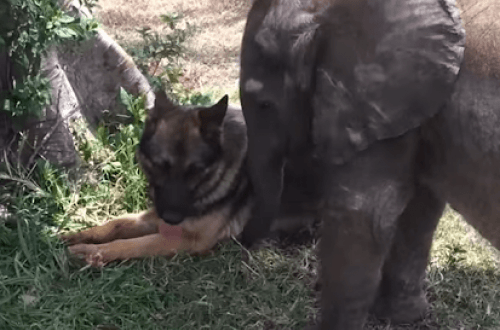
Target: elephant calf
column 376, row 102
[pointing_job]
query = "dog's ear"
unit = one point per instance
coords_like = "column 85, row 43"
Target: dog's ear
column 162, row 103
column 214, row 115
column 211, row 120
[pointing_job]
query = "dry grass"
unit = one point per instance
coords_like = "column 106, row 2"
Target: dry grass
column 213, row 59
column 213, row 62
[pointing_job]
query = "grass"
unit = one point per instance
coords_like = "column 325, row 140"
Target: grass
column 464, row 276
column 217, row 292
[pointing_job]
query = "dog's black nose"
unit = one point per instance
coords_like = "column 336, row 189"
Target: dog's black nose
column 171, row 217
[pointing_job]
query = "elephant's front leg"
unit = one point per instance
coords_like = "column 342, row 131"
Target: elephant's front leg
column 401, row 297
column 359, row 216
column 351, row 267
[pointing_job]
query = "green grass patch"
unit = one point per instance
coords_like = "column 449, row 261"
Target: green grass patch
column 464, row 277
column 48, row 291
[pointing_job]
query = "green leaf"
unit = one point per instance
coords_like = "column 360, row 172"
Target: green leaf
column 65, row 33
column 125, row 98
column 65, row 19
column 7, row 105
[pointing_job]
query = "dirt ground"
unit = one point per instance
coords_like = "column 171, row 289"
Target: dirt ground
column 213, row 59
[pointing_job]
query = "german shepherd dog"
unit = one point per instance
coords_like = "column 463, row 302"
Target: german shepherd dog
column 194, row 159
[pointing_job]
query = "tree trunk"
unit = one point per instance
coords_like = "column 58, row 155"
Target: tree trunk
column 85, row 80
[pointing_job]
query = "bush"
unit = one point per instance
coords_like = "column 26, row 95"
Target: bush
column 157, row 56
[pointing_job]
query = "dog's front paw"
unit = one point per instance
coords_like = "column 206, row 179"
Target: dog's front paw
column 72, row 239
column 90, row 253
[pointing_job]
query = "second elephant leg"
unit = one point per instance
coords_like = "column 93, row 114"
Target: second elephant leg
column 360, row 215
column 401, row 297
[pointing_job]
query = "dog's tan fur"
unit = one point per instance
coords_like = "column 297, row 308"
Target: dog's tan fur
column 137, row 236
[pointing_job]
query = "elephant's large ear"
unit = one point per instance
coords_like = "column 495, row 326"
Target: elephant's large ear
column 386, row 66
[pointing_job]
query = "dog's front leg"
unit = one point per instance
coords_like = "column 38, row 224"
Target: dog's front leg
column 98, row 255
column 127, row 226
column 198, row 238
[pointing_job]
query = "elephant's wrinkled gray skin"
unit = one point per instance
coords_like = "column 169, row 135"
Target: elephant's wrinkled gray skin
column 363, row 96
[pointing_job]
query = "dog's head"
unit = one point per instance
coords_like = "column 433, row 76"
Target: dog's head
column 179, row 149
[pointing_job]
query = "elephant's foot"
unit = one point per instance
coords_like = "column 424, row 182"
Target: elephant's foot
column 401, row 309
